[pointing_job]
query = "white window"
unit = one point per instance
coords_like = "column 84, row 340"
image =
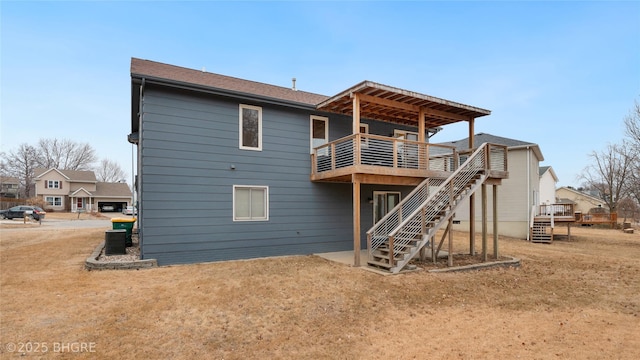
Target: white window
column 250, row 127
column 53, row 184
column 250, row 203
column 319, row 133
column 54, row 200
column 383, row 202
column 406, row 135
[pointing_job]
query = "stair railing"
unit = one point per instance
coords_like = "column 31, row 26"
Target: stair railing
column 407, row 220
column 438, row 203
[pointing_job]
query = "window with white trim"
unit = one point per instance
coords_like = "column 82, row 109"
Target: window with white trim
column 250, row 203
column 250, row 127
column 53, row 184
column 54, row 200
column 319, row 133
column 406, row 135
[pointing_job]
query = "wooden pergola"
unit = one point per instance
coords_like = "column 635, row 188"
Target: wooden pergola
column 375, row 101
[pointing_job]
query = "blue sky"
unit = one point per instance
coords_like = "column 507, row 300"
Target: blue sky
column 560, row 74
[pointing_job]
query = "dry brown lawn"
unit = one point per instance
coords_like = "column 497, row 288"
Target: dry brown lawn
column 577, row 299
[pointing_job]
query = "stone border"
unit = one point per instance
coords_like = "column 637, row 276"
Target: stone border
column 513, row 262
column 92, row 262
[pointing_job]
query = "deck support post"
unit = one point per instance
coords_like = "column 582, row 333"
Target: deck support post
column 450, row 230
column 495, row 221
column 356, row 186
column 472, row 224
column 356, row 221
column 484, row 222
column 472, row 200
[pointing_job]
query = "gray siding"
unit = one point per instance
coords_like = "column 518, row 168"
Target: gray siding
column 188, row 144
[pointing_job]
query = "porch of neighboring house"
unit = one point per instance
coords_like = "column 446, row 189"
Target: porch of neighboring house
column 81, row 201
column 545, row 218
column 443, row 177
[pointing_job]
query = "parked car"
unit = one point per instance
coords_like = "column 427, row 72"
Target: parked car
column 106, row 208
column 19, row 211
column 130, row 210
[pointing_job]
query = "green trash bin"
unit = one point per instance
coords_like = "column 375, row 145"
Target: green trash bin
column 126, row 224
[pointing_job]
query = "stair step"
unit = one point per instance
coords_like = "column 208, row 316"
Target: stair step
column 379, row 264
column 386, row 251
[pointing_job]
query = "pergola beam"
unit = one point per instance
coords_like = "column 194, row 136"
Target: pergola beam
column 412, row 108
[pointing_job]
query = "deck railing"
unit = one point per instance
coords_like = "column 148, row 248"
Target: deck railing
column 610, row 218
column 376, row 150
column 565, row 210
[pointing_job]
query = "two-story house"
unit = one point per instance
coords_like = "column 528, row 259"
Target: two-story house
column 519, row 195
column 75, row 190
column 230, row 168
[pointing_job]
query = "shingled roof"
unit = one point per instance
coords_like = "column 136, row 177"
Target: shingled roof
column 71, row 175
column 154, row 70
column 378, row 101
column 482, row 138
column 105, row 189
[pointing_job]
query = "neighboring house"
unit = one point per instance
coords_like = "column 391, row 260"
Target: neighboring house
column 9, row 187
column 73, row 190
column 583, row 202
column 517, row 195
column 230, row 168
column 548, row 180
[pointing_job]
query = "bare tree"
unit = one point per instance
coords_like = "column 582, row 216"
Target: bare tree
column 65, row 154
column 610, row 172
column 632, row 127
column 21, row 164
column 109, row 171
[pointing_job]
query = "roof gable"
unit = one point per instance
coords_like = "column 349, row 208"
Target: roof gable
column 544, row 169
column 75, row 193
column 40, row 172
column 511, row 144
column 577, row 192
column 70, row 175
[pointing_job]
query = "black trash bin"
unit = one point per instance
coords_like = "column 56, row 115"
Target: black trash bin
column 115, row 242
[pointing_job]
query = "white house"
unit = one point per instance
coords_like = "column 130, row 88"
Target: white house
column 518, row 195
column 548, row 180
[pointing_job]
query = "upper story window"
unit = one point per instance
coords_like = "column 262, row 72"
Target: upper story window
column 319, row 132
column 250, row 127
column 406, row 135
column 52, row 184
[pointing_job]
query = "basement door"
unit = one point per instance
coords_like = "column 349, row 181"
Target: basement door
column 383, row 202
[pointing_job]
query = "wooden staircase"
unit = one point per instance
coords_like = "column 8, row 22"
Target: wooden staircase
column 541, row 231
column 412, row 224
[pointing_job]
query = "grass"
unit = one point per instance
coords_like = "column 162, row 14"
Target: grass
column 577, row 299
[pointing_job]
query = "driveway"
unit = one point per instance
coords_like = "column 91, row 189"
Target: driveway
column 69, row 224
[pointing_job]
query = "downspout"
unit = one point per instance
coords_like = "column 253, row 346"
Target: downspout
column 528, row 188
column 139, row 177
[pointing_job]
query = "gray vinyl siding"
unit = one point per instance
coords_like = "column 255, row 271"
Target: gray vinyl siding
column 189, row 143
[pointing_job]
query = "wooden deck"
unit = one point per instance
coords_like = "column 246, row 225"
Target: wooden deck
column 385, row 160
column 547, row 217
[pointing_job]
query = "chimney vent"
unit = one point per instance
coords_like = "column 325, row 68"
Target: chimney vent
column 293, row 87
